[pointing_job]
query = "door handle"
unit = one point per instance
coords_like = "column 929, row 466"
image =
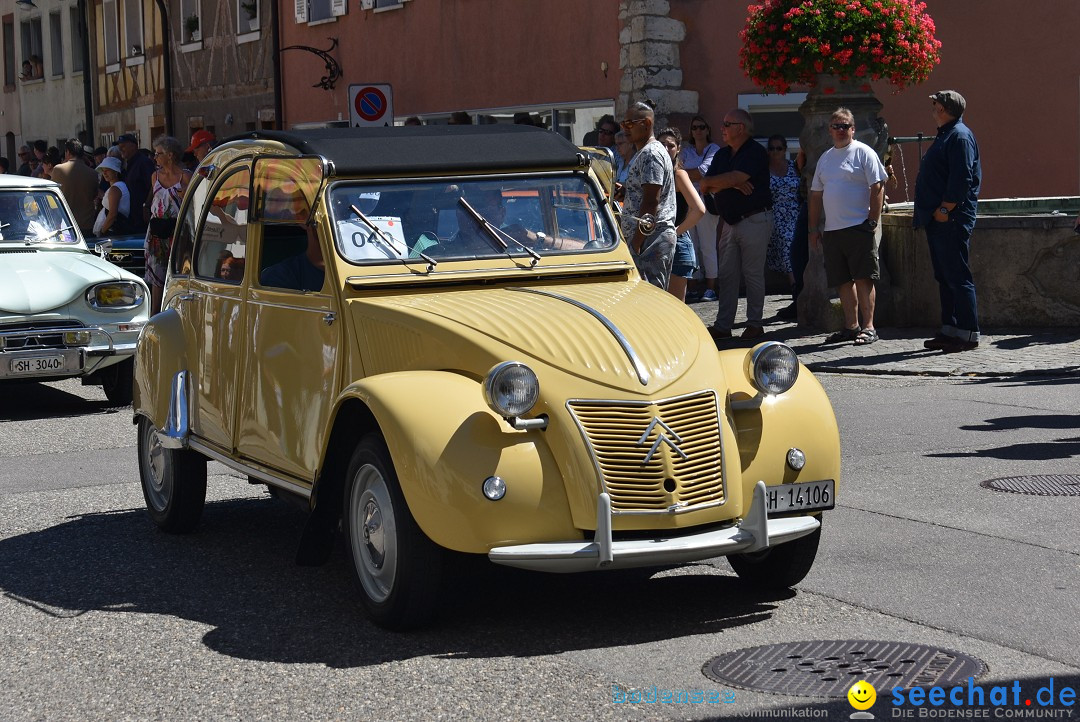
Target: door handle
column 329, row 319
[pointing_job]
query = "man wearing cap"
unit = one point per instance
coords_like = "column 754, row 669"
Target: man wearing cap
column 946, row 194
column 79, row 184
column 201, row 142
column 138, row 172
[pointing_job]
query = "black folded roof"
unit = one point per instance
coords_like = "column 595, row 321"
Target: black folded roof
column 430, row 148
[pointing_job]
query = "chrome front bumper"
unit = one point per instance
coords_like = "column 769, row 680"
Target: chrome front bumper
column 78, row 360
column 754, row 533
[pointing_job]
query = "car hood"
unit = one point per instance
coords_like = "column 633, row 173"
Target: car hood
column 40, row 280
column 627, row 335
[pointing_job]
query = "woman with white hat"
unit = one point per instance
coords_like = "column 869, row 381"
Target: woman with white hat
column 116, row 203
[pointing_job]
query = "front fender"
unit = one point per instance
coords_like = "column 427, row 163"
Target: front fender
column 802, row 417
column 445, row 442
column 160, row 354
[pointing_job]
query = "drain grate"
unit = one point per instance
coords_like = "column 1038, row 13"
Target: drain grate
column 1043, row 485
column 828, row 668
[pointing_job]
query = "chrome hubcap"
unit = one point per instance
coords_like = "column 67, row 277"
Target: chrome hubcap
column 373, row 533
column 158, row 484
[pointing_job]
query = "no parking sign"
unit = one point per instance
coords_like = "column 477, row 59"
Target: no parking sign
column 370, row 104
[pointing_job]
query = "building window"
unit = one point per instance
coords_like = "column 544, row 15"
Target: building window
column 78, row 38
column 110, row 25
column 192, row 24
column 319, row 10
column 247, row 16
column 379, row 4
column 133, row 28
column 56, row 44
column 9, row 52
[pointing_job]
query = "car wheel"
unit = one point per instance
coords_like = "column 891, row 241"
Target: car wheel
column 397, row 568
column 778, row 567
column 116, row 382
column 173, row 482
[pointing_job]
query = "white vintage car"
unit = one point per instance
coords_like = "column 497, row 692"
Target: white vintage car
column 63, row 310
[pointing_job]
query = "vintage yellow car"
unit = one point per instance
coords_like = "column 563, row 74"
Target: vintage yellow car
column 437, row 341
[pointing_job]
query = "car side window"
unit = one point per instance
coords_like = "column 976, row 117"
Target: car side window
column 184, row 239
column 221, row 251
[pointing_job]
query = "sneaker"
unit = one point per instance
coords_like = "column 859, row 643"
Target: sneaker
column 752, row 332
column 709, row 295
column 719, row 332
column 956, row 345
column 790, row 311
column 939, row 342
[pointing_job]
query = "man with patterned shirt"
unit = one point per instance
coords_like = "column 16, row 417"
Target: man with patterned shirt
column 649, row 193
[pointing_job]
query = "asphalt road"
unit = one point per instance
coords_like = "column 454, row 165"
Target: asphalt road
column 104, row 618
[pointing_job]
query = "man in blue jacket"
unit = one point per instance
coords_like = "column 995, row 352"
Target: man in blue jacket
column 946, row 194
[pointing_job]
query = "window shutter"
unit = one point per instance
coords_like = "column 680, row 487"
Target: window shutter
column 339, row 7
column 301, row 11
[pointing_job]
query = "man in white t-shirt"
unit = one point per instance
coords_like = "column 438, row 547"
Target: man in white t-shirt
column 849, row 186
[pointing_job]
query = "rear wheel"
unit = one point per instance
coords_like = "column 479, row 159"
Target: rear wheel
column 397, row 568
column 173, row 482
column 116, row 382
column 780, row 566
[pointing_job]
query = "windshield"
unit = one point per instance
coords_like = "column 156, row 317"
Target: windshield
column 36, row 216
column 526, row 218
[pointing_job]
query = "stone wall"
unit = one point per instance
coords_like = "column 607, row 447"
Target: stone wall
column 1025, row 268
column 649, row 60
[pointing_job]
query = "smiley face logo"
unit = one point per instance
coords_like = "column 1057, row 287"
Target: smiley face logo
column 862, row 695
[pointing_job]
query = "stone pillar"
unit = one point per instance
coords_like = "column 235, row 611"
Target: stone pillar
column 649, row 60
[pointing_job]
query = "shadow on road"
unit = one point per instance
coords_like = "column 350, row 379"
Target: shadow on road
column 30, row 401
column 236, row 574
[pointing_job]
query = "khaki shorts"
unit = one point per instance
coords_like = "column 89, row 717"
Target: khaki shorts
column 850, row 254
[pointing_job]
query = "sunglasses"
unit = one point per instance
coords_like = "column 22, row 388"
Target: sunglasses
column 840, row 126
column 606, row 131
column 729, row 123
column 699, row 127
column 777, row 147
column 631, row 123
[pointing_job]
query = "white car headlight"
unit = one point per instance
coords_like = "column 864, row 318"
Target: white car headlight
column 773, row 368
column 511, row 389
column 115, row 296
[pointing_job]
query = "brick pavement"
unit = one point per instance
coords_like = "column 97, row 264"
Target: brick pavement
column 1002, row 352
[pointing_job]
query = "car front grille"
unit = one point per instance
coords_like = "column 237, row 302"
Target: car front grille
column 655, row 456
column 36, row 335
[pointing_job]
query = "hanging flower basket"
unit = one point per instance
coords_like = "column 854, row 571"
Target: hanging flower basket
column 788, row 42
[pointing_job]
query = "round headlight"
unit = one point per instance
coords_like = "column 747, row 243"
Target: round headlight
column 511, row 389
column 773, row 368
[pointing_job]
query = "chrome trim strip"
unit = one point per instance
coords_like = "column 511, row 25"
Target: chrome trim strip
column 585, row 267
column 639, row 367
column 177, row 425
column 755, row 532
column 635, row 402
column 261, row 475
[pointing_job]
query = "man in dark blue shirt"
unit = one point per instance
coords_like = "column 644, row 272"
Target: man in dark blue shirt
column 946, row 194
column 739, row 176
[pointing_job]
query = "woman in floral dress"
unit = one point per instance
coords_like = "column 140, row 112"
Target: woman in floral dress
column 784, row 184
column 167, row 187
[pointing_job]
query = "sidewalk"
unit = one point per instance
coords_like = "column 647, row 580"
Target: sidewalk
column 1039, row 352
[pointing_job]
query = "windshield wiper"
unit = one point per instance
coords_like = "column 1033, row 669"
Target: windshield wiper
column 496, row 234
column 389, row 242
column 47, row 236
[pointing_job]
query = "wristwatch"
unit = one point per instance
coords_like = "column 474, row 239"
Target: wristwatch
column 943, row 211
column 872, row 224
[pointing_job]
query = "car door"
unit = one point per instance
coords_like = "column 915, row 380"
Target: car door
column 292, row 333
column 214, row 308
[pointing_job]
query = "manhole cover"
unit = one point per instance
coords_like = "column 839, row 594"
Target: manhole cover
column 828, row 668
column 1044, row 485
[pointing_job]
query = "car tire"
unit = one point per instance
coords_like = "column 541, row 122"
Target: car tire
column 117, row 381
column 396, row 567
column 778, row 567
column 173, row 482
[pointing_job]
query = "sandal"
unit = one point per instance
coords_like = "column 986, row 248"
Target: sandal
column 866, row 337
column 847, row 334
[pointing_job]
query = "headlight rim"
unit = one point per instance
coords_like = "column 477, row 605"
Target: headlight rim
column 758, row 354
column 492, row 377
column 138, row 293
